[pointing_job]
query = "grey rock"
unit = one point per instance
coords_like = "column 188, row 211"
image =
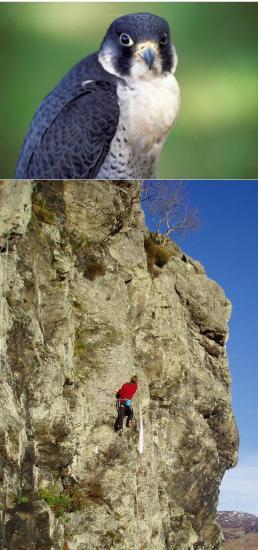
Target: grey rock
column 80, row 312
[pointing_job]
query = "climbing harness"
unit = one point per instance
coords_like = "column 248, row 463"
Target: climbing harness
column 123, row 403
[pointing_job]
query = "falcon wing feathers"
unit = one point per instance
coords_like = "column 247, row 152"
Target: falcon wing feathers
column 77, row 141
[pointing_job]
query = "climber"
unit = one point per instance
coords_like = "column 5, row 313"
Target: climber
column 124, row 403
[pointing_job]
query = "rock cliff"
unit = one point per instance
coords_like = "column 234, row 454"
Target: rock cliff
column 84, row 304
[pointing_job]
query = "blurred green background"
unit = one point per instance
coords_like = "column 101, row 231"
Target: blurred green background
column 216, row 135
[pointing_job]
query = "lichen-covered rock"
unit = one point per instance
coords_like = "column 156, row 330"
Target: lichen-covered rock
column 82, row 308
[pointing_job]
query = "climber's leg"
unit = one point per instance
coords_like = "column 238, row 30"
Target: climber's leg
column 129, row 417
column 120, row 419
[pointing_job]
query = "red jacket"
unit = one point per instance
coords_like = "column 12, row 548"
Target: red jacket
column 127, row 391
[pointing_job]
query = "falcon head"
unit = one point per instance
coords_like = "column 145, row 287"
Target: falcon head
column 139, row 46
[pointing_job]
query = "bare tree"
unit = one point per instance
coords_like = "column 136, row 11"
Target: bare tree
column 167, row 204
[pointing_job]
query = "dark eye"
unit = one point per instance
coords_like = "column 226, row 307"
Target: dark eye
column 163, row 40
column 125, row 40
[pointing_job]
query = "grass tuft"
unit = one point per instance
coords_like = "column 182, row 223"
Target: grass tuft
column 59, row 501
column 43, row 214
column 22, row 500
column 72, row 500
column 157, row 254
column 94, row 269
column 79, row 348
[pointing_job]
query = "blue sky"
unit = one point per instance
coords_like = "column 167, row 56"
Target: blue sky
column 227, row 245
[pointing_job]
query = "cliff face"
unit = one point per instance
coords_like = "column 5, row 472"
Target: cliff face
column 80, row 312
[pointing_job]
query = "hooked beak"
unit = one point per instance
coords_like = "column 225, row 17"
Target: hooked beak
column 149, row 56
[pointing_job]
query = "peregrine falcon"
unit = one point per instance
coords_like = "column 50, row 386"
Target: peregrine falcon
column 109, row 117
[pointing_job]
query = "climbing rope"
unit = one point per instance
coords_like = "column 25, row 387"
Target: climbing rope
column 139, row 503
column 141, row 432
column 140, row 426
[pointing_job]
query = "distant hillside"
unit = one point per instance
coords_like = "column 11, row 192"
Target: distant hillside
column 240, row 530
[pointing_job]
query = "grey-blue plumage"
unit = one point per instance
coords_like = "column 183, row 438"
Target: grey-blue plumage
column 87, row 126
column 70, row 133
